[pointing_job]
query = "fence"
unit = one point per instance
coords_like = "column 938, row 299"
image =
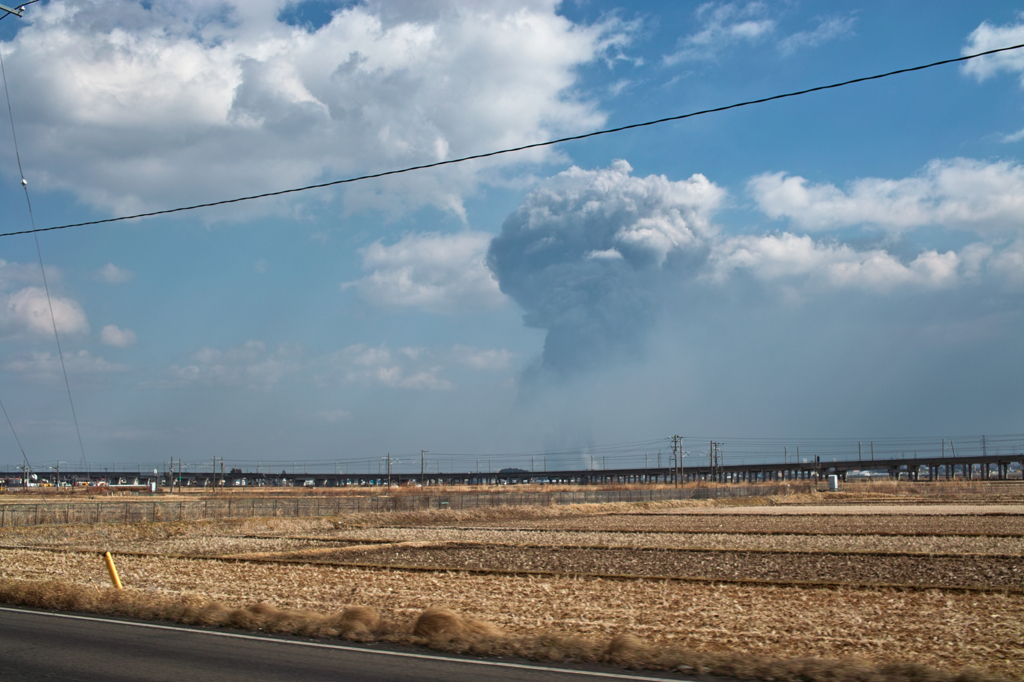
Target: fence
column 141, row 511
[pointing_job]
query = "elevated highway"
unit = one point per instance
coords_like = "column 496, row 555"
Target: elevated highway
column 968, row 467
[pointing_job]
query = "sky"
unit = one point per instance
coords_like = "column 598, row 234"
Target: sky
column 843, row 266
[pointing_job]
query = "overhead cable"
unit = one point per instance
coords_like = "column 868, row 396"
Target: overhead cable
column 510, row 150
column 39, row 252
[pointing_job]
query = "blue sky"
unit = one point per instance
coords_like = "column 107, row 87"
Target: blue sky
column 847, row 264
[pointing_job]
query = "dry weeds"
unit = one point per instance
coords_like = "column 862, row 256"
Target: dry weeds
column 561, row 616
column 940, row 629
column 448, row 630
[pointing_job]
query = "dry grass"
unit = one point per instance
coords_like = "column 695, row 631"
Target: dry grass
column 940, row 629
column 447, row 630
column 730, row 629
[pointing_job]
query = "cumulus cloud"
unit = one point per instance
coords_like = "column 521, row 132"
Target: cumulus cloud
column 547, row 254
column 490, row 359
column 434, row 272
column 380, row 366
column 595, row 257
column 45, row 365
column 112, row 274
column 145, row 104
column 987, row 198
column 788, row 256
column 722, row 25
column 249, row 365
column 1009, row 263
column 989, row 37
column 27, row 311
column 828, row 28
column 112, row 335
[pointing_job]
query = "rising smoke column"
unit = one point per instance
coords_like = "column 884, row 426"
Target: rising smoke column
column 588, row 254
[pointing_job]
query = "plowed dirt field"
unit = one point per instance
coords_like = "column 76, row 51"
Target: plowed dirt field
column 863, row 553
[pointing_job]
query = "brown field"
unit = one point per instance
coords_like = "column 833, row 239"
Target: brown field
column 935, row 584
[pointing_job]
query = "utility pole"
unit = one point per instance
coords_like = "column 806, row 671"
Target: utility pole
column 423, row 466
column 677, row 447
column 677, row 454
column 213, row 475
column 859, row 457
column 984, row 449
column 711, row 460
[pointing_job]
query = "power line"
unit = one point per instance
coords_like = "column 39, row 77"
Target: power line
column 28, row 467
column 535, row 145
column 39, row 252
column 16, row 10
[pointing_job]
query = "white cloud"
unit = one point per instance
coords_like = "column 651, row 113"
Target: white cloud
column 111, row 335
column 1014, row 137
column 788, row 256
column 987, row 198
column 13, row 275
column 114, row 275
column 828, row 29
column 26, row 310
column 1009, row 263
column 491, row 359
column 988, row 37
column 434, row 272
column 722, row 25
column 379, row 366
column 249, row 366
column 45, row 365
column 141, row 106
column 606, row 254
column 261, row 266
column 556, row 254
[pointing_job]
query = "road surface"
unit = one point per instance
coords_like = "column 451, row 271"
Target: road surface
column 37, row 646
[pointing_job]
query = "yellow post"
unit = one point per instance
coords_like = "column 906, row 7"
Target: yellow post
column 113, row 570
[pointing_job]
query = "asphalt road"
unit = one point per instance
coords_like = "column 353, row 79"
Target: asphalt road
column 37, row 646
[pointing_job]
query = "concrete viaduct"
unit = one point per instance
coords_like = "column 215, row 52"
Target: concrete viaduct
column 970, row 467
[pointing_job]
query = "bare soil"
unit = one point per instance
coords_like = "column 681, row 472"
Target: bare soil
column 924, row 544
column 976, row 571
column 935, row 626
column 834, row 523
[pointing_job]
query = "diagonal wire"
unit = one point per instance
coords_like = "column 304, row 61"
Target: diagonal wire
column 28, row 467
column 510, row 150
column 39, row 252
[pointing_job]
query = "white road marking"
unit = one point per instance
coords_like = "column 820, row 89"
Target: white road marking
column 342, row 647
